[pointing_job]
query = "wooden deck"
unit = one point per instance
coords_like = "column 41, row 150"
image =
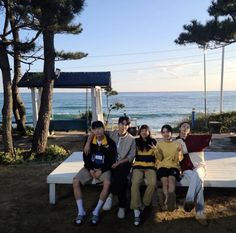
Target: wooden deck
column 221, row 171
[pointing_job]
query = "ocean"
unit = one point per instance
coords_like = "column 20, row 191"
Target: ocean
column 152, row 108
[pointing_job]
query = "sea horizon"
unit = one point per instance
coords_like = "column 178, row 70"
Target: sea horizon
column 152, row 108
column 75, row 90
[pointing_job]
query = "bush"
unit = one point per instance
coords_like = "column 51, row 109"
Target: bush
column 20, row 156
column 227, row 119
column 53, row 153
column 86, row 116
column 29, row 130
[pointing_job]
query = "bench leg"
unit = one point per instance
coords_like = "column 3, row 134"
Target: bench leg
column 52, row 194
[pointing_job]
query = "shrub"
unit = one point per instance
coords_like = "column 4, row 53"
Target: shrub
column 53, row 153
column 227, row 119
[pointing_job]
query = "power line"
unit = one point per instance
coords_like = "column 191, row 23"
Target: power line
column 137, row 53
column 155, row 67
column 137, row 62
column 141, row 53
column 140, row 62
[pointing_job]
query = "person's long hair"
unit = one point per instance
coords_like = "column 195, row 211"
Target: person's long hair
column 145, row 145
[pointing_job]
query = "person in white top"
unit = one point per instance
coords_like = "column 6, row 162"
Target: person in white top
column 126, row 149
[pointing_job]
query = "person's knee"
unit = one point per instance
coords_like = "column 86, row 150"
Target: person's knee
column 134, row 187
column 164, row 180
column 136, row 182
column 152, row 183
column 76, row 183
column 106, row 184
column 171, row 179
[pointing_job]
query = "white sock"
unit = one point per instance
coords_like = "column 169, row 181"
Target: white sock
column 136, row 213
column 98, row 207
column 80, row 207
column 110, row 195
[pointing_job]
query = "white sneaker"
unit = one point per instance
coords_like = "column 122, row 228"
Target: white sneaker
column 201, row 219
column 121, row 213
column 108, row 203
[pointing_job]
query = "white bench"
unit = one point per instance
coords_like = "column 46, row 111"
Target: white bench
column 221, row 171
column 64, row 173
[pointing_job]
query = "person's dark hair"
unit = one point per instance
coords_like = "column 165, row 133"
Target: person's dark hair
column 168, row 127
column 124, row 118
column 97, row 124
column 187, row 122
column 145, row 145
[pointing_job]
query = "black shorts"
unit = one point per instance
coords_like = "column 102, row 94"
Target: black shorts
column 166, row 172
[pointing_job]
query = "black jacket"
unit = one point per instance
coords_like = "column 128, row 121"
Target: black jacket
column 101, row 157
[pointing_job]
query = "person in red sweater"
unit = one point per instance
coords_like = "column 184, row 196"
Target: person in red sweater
column 193, row 168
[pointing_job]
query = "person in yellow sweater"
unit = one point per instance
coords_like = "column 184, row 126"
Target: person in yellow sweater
column 169, row 154
column 143, row 168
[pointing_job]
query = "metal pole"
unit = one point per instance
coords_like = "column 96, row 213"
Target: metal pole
column 205, row 103
column 222, row 79
column 193, row 117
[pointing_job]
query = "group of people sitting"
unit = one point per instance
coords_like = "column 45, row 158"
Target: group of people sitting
column 111, row 156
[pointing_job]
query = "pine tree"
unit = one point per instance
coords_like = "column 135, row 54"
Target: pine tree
column 53, row 17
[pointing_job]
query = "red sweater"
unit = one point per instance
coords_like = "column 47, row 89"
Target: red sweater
column 196, row 143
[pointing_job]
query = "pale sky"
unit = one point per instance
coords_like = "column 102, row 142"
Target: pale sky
column 134, row 39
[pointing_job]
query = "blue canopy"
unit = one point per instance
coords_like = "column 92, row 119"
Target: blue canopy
column 68, row 79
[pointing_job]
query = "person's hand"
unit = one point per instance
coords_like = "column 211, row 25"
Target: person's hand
column 115, row 164
column 180, row 148
column 92, row 173
column 87, row 145
column 87, row 148
column 97, row 173
column 153, row 146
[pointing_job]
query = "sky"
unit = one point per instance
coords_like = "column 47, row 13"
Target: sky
column 134, row 39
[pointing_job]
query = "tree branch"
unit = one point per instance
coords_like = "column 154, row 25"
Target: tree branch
column 6, row 19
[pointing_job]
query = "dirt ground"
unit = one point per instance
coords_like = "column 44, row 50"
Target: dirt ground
column 24, row 206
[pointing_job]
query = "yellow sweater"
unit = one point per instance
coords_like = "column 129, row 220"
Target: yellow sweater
column 168, row 154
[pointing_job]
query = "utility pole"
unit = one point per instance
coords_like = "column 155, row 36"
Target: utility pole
column 205, row 102
column 222, row 79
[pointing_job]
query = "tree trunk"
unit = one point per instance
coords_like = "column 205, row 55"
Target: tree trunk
column 41, row 131
column 18, row 105
column 7, row 104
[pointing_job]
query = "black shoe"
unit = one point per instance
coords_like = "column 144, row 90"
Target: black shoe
column 171, row 201
column 137, row 221
column 188, row 206
column 94, row 220
column 79, row 219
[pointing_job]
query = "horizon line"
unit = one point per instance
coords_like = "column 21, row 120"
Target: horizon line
column 134, row 91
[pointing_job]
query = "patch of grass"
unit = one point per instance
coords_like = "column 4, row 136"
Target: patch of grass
column 53, row 153
column 29, row 130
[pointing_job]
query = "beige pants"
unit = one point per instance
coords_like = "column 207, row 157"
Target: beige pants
column 85, row 178
column 138, row 177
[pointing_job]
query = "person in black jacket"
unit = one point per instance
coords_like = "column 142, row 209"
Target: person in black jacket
column 97, row 165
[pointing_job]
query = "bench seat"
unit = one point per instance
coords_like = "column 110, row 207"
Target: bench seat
column 221, row 171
